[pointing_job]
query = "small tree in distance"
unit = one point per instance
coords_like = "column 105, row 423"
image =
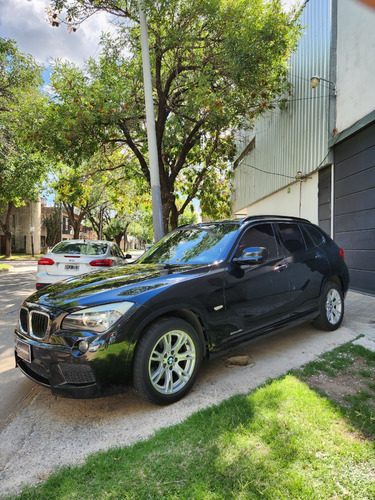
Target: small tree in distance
column 52, row 224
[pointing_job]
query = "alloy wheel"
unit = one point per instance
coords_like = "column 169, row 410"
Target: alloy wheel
column 172, row 362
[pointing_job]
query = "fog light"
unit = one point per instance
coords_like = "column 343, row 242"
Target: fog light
column 83, row 345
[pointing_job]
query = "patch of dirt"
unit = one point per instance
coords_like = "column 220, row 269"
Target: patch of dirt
column 350, row 383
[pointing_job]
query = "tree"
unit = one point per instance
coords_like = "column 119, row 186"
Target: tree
column 215, row 64
column 79, row 194
column 22, row 167
column 52, row 224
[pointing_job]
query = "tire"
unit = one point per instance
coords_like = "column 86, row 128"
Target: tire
column 331, row 308
column 167, row 361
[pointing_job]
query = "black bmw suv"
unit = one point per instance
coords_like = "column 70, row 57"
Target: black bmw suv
column 201, row 289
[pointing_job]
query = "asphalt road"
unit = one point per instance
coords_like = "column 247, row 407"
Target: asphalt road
column 16, row 390
column 41, row 432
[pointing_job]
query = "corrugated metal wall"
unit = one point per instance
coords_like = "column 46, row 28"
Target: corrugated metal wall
column 295, row 139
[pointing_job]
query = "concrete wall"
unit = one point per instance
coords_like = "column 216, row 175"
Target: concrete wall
column 299, row 199
column 25, row 218
column 355, row 62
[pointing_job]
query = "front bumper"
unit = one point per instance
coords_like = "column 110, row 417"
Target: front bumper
column 55, row 366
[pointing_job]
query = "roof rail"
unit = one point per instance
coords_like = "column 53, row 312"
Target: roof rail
column 275, row 217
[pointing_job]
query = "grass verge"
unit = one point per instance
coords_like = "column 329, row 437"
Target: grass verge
column 21, row 256
column 285, row 440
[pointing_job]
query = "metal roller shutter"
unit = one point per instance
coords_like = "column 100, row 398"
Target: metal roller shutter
column 355, row 206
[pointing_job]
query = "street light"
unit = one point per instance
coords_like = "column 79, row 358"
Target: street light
column 315, row 80
column 157, row 212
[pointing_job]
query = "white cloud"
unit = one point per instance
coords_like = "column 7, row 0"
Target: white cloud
column 26, row 22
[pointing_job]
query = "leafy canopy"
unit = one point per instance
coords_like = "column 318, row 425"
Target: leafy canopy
column 215, row 65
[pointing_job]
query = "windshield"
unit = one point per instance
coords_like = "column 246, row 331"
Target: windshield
column 80, row 248
column 192, row 245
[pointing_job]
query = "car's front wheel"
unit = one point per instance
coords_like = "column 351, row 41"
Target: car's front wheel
column 331, row 307
column 167, row 361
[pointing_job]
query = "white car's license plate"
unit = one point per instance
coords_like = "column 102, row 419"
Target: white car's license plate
column 23, row 350
column 72, row 267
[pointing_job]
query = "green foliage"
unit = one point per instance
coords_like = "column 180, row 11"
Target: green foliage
column 22, row 167
column 18, row 73
column 215, row 66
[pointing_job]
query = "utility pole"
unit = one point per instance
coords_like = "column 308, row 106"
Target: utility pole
column 157, row 212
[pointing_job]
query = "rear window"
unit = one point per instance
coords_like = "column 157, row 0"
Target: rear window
column 71, row 248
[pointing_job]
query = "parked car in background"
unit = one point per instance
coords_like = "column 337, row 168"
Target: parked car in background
column 73, row 257
column 201, row 289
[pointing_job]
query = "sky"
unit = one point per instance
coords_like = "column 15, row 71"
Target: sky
column 26, row 22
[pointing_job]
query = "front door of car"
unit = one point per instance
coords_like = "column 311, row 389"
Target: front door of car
column 256, row 295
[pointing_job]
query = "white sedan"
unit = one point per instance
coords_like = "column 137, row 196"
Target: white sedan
column 72, row 257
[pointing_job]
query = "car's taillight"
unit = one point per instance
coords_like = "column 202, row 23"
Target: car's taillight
column 341, row 251
column 44, row 261
column 102, row 263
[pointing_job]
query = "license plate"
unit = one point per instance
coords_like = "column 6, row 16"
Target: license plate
column 72, row 267
column 23, row 350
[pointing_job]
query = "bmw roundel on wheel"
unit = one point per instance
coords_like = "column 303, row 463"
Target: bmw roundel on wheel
column 200, row 289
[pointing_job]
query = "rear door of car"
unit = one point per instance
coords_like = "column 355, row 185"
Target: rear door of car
column 307, row 266
column 256, row 296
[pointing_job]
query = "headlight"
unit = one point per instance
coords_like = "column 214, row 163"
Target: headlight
column 96, row 319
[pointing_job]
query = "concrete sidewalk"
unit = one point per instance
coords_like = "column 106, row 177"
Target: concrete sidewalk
column 360, row 317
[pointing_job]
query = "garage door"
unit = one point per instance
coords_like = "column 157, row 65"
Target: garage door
column 355, row 206
column 324, row 199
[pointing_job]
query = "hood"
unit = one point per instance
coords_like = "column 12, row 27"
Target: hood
column 133, row 282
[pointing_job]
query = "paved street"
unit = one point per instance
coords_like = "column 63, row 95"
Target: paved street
column 15, row 389
column 41, row 431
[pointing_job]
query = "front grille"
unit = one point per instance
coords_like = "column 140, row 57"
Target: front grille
column 77, row 374
column 39, row 370
column 36, row 371
column 24, row 319
column 34, row 323
column 39, row 324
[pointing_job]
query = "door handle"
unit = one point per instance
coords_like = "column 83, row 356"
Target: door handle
column 279, row 268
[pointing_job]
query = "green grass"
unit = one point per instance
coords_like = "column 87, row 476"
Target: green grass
column 282, row 441
column 21, row 256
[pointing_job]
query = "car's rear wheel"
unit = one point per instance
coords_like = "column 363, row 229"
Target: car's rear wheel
column 167, row 361
column 331, row 307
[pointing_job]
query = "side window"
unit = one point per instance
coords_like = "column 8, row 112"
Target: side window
column 291, row 238
column 258, row 236
column 314, row 234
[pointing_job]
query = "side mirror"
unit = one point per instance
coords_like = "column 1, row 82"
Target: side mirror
column 252, row 256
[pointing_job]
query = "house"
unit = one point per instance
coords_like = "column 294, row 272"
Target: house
column 29, row 233
column 316, row 157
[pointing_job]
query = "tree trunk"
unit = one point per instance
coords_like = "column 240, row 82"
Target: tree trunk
column 5, row 226
column 173, row 216
column 8, row 244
